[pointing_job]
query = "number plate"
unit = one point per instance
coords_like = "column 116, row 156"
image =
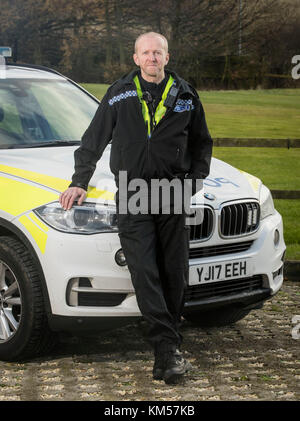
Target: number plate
column 221, row 271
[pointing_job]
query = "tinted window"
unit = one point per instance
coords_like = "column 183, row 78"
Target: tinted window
column 35, row 111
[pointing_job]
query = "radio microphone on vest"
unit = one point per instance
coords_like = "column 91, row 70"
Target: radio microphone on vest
column 171, row 97
column 147, row 97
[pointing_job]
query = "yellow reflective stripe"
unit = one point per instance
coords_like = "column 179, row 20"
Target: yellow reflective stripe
column 145, row 110
column 253, row 181
column 38, row 221
column 47, row 180
column 17, row 197
column 39, row 236
column 93, row 193
column 54, row 182
column 160, row 109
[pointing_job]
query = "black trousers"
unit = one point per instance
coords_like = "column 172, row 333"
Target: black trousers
column 156, row 247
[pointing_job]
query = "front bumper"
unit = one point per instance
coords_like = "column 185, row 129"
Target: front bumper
column 247, row 292
column 85, row 264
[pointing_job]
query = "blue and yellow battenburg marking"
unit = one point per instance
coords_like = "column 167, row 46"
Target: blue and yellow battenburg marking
column 125, row 95
column 183, row 105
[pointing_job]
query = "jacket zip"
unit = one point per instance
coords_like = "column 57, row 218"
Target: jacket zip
column 148, row 155
column 154, row 126
column 169, row 109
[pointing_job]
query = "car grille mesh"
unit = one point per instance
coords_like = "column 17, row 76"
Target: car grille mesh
column 204, row 230
column 239, row 219
column 232, row 248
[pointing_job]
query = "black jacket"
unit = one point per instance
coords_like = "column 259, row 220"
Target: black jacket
column 180, row 145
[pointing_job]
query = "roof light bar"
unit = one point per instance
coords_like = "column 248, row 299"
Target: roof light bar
column 5, row 52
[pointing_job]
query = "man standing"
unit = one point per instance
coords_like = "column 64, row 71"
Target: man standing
column 158, row 130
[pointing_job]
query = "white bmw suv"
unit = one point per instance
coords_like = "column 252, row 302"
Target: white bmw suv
column 65, row 270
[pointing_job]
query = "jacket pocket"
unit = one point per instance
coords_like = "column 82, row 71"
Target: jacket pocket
column 115, row 156
column 134, row 159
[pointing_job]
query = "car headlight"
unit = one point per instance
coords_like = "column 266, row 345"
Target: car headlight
column 88, row 218
column 266, row 202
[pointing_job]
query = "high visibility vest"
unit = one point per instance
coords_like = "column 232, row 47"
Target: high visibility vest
column 160, row 109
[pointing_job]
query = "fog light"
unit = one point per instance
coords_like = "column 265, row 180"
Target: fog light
column 120, row 258
column 276, row 237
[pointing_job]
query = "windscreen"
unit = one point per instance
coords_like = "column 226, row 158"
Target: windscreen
column 43, row 112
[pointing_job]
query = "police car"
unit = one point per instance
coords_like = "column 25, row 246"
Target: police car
column 65, row 270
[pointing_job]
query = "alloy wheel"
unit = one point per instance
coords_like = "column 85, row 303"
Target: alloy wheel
column 10, row 303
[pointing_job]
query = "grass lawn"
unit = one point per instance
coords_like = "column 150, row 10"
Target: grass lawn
column 290, row 211
column 273, row 113
column 278, row 168
column 96, row 89
column 270, row 113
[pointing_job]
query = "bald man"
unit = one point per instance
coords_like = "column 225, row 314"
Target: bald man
column 158, row 130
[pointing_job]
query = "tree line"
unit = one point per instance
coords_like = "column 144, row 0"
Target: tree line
column 215, row 44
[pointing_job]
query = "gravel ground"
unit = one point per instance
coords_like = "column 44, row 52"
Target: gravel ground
column 255, row 359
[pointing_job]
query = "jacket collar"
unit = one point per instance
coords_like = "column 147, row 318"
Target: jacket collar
column 182, row 85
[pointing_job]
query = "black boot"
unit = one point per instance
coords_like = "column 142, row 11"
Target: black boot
column 160, row 351
column 159, row 367
column 175, row 366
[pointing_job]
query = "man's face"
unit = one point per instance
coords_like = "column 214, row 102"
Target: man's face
column 151, row 56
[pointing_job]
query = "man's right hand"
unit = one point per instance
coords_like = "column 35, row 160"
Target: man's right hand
column 67, row 198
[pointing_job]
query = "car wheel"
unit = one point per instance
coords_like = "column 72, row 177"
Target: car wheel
column 24, row 331
column 220, row 317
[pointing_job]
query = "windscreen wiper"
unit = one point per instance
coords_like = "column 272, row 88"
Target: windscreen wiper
column 41, row 144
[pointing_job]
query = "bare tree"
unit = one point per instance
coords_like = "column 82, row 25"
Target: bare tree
column 211, row 41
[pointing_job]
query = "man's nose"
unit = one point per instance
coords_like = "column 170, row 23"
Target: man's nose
column 153, row 57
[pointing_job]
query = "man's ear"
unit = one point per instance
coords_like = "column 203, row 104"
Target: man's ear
column 136, row 59
column 167, row 58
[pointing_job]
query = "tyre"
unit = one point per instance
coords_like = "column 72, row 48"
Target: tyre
column 219, row 317
column 24, row 331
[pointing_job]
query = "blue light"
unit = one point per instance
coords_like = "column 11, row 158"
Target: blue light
column 5, row 51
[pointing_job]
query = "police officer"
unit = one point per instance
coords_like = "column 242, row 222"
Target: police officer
column 158, row 130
